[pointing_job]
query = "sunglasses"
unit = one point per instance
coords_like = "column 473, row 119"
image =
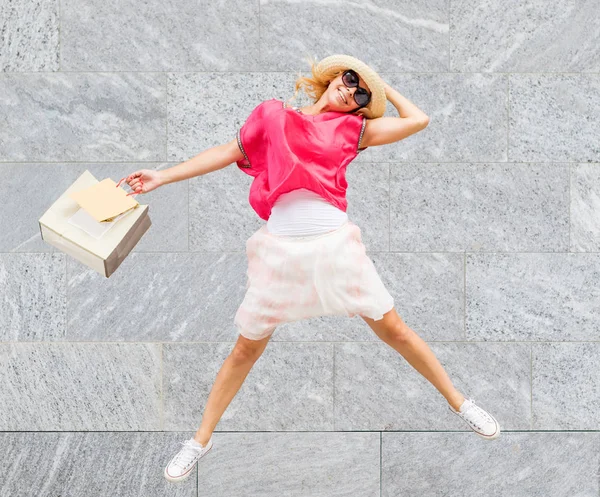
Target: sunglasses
column 361, row 96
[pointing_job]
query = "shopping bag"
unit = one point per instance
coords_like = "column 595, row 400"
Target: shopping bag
column 94, row 224
column 103, row 200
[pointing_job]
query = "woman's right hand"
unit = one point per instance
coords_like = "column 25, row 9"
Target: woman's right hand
column 144, row 180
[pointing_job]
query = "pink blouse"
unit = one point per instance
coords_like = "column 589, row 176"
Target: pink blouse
column 285, row 150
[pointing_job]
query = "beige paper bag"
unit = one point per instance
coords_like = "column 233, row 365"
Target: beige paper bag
column 104, row 201
column 100, row 245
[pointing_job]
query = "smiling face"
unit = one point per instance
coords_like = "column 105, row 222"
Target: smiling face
column 341, row 98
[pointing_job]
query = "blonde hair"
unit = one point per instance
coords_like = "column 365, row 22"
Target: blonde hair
column 316, row 85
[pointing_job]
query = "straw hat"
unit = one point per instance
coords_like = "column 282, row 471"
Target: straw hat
column 331, row 66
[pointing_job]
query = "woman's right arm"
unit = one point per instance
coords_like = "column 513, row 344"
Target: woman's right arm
column 212, row 159
column 209, row 160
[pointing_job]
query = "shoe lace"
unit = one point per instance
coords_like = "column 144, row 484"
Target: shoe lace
column 475, row 413
column 187, row 454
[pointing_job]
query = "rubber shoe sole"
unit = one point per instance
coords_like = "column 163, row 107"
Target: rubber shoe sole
column 185, row 475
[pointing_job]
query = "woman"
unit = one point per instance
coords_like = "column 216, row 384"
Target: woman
column 308, row 259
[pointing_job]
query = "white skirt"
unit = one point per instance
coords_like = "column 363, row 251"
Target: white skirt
column 290, row 278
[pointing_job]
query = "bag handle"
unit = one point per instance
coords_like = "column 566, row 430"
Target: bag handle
column 130, row 193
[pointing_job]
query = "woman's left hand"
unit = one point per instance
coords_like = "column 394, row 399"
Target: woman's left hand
column 387, row 89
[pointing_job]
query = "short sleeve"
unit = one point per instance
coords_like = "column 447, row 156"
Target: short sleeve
column 250, row 138
column 351, row 134
column 359, row 147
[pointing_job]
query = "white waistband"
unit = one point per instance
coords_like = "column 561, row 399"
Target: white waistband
column 303, row 212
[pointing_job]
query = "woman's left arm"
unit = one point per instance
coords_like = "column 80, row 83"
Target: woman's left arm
column 405, row 107
column 383, row 130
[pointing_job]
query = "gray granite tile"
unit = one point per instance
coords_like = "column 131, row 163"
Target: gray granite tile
column 414, row 34
column 288, row 388
column 533, row 296
column 377, row 389
column 534, row 36
column 566, row 391
column 30, row 189
column 30, row 36
column 428, row 291
column 83, row 117
column 73, row 386
column 157, row 297
column 479, row 207
column 206, row 109
column 368, row 196
column 468, row 119
column 553, row 117
column 180, row 36
column 76, row 464
column 515, row 465
column 33, row 300
column 326, row 329
column 221, row 217
column 291, row 464
column 585, row 208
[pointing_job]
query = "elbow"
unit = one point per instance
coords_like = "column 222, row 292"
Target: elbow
column 424, row 121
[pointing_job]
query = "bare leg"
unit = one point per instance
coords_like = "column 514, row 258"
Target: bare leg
column 229, row 379
column 393, row 331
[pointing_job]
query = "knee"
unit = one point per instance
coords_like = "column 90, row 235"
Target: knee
column 246, row 350
column 244, row 353
column 400, row 331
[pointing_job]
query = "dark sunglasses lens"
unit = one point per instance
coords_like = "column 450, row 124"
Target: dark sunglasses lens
column 361, row 98
column 350, row 79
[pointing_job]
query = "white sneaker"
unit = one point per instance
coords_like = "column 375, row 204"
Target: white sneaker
column 479, row 420
column 182, row 464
